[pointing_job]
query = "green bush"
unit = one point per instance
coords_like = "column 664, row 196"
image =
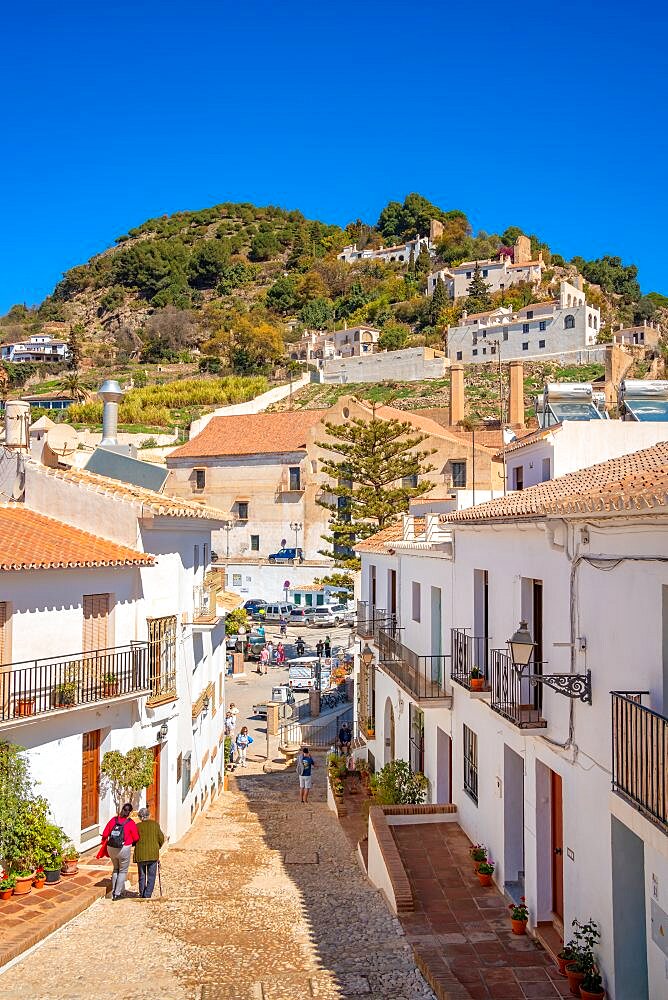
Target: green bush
column 396, row 784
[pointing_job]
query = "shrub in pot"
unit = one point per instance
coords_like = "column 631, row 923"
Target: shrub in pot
column 591, row 987
column 519, row 916
column 110, row 685
column 23, row 883
column 7, row 886
column 485, row 872
column 566, row 955
column 65, row 694
column 582, row 945
column 39, row 878
column 476, row 679
column 479, row 854
column 70, row 860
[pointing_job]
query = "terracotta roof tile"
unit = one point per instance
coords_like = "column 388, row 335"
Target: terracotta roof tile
column 33, row 541
column 251, row 434
column 638, row 481
column 157, row 503
column 376, row 543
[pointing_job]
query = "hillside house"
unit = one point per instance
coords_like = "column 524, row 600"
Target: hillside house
column 512, row 266
column 40, row 347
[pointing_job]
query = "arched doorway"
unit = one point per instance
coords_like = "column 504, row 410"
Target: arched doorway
column 389, row 731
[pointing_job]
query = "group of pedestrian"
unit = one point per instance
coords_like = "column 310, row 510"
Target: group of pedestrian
column 240, row 741
column 324, row 648
column 271, row 657
column 119, row 837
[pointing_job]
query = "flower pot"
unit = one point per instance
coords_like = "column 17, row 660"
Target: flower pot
column 52, row 876
column 518, row 926
column 25, row 706
column 110, row 690
column 586, row 995
column 6, row 893
column 70, row 867
column 561, row 963
column 575, row 977
column 485, row 880
column 39, row 882
column 476, row 683
column 23, row 885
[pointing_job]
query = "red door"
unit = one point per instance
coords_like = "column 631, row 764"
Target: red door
column 557, row 848
column 153, row 790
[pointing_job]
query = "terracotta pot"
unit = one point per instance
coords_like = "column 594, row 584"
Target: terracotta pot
column 25, row 706
column 6, row 894
column 561, row 963
column 586, row 995
column 574, row 979
column 39, row 883
column 476, row 683
column 70, row 867
column 485, row 880
column 518, row 926
column 110, row 690
column 23, row 886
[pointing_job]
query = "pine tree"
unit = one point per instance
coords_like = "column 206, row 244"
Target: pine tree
column 423, row 263
column 478, row 293
column 74, row 346
column 367, row 481
column 439, row 301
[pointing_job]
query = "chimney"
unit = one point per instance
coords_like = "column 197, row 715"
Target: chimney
column 111, row 395
column 516, row 401
column 456, row 394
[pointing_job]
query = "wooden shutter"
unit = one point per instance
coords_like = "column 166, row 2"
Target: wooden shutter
column 96, row 622
column 4, row 632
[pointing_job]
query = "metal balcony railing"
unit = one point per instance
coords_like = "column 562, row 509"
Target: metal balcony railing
column 423, row 677
column 468, row 651
column 37, row 687
column 369, row 618
column 512, row 695
column 640, row 756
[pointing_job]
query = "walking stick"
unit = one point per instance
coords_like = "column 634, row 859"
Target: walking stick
column 159, row 878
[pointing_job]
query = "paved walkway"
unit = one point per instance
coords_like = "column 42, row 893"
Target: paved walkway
column 264, row 901
column 460, row 930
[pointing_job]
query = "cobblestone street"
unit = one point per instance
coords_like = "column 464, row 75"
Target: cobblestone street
column 264, row 900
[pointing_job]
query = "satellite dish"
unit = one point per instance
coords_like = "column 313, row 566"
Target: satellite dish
column 62, row 440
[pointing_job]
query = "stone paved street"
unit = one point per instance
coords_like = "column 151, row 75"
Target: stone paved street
column 264, row 900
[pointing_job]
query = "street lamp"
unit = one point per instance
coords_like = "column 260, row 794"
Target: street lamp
column 227, row 525
column 366, row 655
column 521, row 647
column 296, row 526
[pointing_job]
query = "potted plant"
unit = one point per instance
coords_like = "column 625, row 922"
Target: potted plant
column 70, row 860
column 566, row 955
column 109, row 685
column 479, row 854
column 519, row 915
column 370, row 728
column 25, row 705
column 584, row 941
column 7, row 883
column 23, row 883
column 65, row 694
column 39, row 878
column 591, row 987
column 476, row 679
column 485, row 872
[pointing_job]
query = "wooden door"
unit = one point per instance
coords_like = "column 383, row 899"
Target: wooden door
column 90, row 777
column 557, row 848
column 95, row 622
column 153, row 790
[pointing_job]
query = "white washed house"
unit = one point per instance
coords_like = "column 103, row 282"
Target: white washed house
column 106, row 642
column 570, row 794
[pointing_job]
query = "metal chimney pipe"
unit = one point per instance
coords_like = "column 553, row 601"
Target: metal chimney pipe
column 111, row 395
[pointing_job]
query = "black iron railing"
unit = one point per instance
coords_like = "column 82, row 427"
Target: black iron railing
column 36, row 687
column 420, row 676
column 369, row 618
column 513, row 695
column 640, row 756
column 466, row 652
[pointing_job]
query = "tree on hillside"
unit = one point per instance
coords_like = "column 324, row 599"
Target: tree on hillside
column 412, row 218
column 611, row 275
column 283, row 297
column 264, row 246
column 167, row 332
column 394, row 337
column 439, row 301
column 74, row 348
column 318, row 313
column 373, row 467
column 423, row 265
column 255, row 348
column 75, row 387
column 478, row 298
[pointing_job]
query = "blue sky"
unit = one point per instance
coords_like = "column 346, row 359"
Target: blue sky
column 550, row 117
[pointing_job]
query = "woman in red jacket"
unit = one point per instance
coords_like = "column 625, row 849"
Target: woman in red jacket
column 118, row 837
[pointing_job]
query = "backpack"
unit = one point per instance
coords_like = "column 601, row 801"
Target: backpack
column 117, row 836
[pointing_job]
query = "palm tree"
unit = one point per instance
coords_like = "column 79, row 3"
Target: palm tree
column 75, row 387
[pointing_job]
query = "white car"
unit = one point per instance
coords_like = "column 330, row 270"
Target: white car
column 322, row 618
column 342, row 614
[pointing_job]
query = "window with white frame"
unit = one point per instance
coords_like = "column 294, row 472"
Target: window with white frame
column 470, row 763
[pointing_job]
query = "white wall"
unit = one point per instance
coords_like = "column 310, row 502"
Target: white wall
column 412, row 364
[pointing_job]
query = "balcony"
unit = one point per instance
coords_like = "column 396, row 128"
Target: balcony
column 369, row 619
column 513, row 696
column 640, row 756
column 422, row 677
column 51, row 684
column 468, row 651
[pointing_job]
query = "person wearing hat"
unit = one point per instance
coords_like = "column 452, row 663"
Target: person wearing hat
column 147, row 851
column 305, row 764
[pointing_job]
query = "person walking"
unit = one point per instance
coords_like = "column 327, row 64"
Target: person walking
column 345, row 738
column 230, row 723
column 243, row 741
column 270, row 652
column 280, row 655
column 284, row 627
column 147, row 851
column 235, row 711
column 264, row 660
column 299, row 646
column 305, row 764
column 328, row 646
column 118, row 836
column 319, row 646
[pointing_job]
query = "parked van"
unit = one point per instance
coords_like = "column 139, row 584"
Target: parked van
column 274, row 612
